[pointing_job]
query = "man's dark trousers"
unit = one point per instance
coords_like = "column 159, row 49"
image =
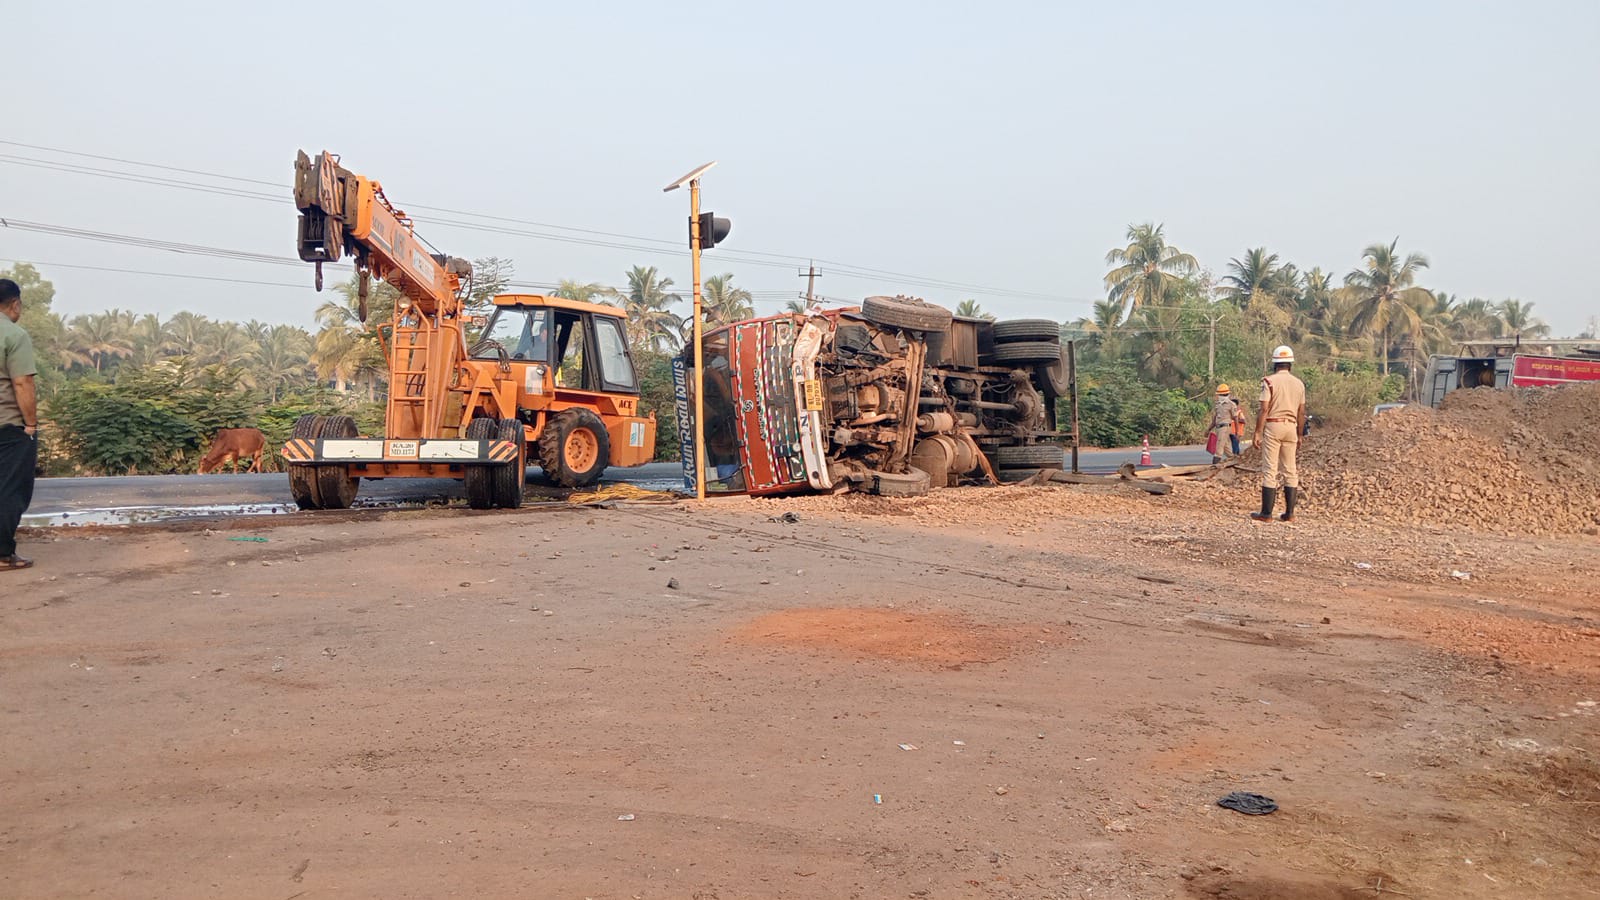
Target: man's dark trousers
column 18, row 456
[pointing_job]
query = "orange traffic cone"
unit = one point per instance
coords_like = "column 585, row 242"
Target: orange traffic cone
column 1144, row 454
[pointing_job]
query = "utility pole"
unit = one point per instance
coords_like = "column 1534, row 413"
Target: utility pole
column 811, row 284
column 1211, row 349
column 695, row 237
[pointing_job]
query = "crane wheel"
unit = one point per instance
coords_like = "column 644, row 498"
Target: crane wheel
column 336, row 489
column 510, row 479
column 479, row 480
column 303, row 479
column 574, row 448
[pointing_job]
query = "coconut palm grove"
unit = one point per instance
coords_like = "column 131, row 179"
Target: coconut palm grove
column 128, row 392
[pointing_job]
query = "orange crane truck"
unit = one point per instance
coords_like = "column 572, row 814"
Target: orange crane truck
column 475, row 413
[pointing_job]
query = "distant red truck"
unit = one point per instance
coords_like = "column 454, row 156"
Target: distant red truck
column 1447, row 373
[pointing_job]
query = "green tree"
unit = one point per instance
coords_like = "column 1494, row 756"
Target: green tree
column 724, row 303
column 971, row 310
column 1145, row 269
column 648, row 302
column 97, row 338
column 1518, row 321
column 1476, row 319
column 584, row 292
column 491, row 275
column 1378, row 292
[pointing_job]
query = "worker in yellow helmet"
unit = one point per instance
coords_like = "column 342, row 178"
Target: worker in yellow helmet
column 1223, row 410
column 1279, row 424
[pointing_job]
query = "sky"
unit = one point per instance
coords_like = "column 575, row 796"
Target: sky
column 990, row 151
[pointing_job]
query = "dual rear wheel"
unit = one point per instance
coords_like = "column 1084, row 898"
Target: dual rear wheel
column 323, row 487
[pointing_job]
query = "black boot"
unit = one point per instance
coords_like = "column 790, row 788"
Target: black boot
column 1289, row 496
column 1269, row 498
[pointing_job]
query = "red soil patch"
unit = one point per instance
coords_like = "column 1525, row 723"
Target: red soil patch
column 931, row 638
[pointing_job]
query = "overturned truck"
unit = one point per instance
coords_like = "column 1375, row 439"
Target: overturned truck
column 894, row 397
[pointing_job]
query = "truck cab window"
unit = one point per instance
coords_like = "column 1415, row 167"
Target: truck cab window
column 524, row 333
column 616, row 368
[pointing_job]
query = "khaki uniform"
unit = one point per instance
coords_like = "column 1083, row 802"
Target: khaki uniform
column 1282, row 395
column 1222, row 414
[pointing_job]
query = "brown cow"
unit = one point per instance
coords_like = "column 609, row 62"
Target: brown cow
column 232, row 445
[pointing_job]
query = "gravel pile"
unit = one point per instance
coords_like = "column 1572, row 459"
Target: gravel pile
column 1523, row 460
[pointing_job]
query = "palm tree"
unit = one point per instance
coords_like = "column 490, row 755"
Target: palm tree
column 281, row 358
column 725, row 304
column 1476, row 319
column 1519, row 320
column 586, row 292
column 227, row 344
column 971, row 310
column 186, row 331
column 98, row 337
column 1099, row 331
column 651, row 322
column 149, row 339
column 1383, row 296
column 1146, row 268
column 1157, row 331
column 796, row 306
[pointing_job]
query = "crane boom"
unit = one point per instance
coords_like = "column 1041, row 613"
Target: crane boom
column 345, row 214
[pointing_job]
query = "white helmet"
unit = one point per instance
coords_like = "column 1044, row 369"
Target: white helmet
column 1283, row 354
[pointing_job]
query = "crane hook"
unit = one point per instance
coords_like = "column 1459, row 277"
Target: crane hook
column 319, row 276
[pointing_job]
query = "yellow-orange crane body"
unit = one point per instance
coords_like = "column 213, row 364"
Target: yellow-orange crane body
column 475, row 413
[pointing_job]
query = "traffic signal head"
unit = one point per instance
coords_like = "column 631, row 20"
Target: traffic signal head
column 713, row 230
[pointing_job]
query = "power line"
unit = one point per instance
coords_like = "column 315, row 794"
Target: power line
column 651, row 245
column 60, row 265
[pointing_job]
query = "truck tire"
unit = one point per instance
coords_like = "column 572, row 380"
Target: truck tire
column 1053, row 376
column 914, row 483
column 303, row 479
column 905, row 312
column 574, row 448
column 1026, row 352
column 1032, row 456
column 1013, row 330
column 478, row 481
column 336, row 488
column 510, row 480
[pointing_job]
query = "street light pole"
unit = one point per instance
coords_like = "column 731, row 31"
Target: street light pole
column 699, row 347
column 693, row 181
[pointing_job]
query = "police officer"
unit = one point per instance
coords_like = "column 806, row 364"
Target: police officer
column 1223, row 411
column 1280, row 421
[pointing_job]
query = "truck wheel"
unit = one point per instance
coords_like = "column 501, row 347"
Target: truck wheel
column 1013, row 330
column 510, row 479
column 914, row 483
column 336, row 489
column 1032, row 456
column 905, row 312
column 1026, row 352
column 478, row 481
column 574, row 448
column 1053, row 376
column 303, row 479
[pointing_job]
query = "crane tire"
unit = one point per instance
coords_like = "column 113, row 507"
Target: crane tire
column 336, row 488
column 510, row 479
column 303, row 479
column 478, row 481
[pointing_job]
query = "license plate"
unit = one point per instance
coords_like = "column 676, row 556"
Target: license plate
column 401, row 449
column 814, row 395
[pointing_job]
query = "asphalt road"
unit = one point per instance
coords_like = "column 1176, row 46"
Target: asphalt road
column 78, row 500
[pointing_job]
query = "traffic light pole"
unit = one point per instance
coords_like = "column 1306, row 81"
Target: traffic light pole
column 718, row 230
column 699, row 347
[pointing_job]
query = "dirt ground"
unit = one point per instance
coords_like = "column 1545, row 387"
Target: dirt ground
column 987, row 693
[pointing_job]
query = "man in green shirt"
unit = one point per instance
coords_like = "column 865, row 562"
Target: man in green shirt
column 19, row 424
